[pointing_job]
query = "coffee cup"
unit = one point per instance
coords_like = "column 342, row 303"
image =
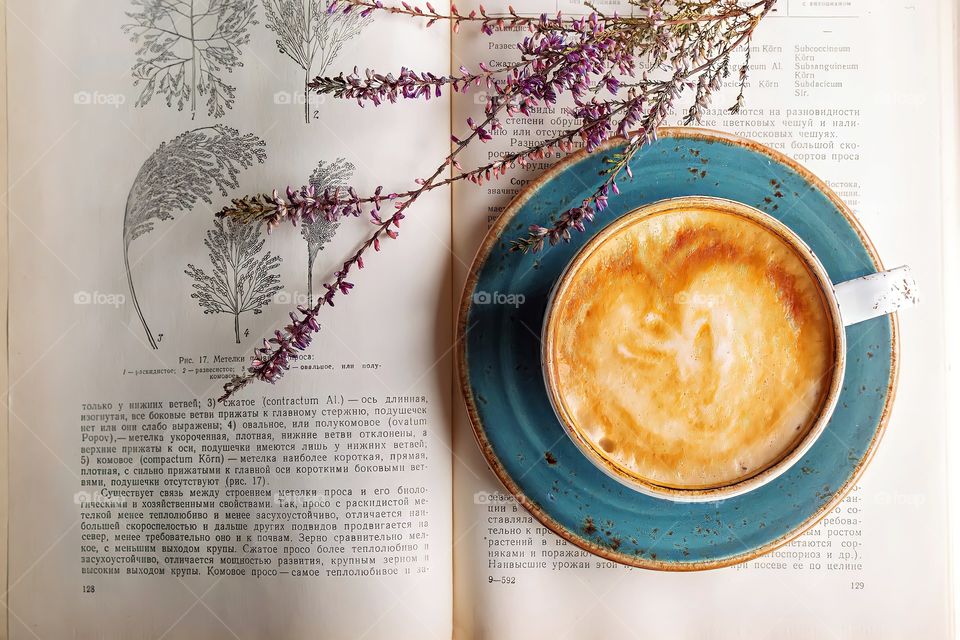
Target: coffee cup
column 695, row 348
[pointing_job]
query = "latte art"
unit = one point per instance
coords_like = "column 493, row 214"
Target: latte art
column 692, row 348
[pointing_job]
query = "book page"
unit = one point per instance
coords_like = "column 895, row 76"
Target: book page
column 950, row 43
column 852, row 91
column 140, row 508
column 4, row 289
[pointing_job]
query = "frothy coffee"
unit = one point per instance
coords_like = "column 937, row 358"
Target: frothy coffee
column 692, row 348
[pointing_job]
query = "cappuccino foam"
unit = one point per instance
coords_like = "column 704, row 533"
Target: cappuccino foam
column 692, row 348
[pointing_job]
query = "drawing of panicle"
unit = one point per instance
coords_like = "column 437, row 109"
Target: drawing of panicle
column 185, row 47
column 242, row 278
column 176, row 177
column 327, row 175
column 310, row 35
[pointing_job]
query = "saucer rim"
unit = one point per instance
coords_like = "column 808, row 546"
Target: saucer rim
column 466, row 388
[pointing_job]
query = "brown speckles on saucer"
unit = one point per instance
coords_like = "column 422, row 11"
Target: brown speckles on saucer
column 639, row 557
column 589, row 527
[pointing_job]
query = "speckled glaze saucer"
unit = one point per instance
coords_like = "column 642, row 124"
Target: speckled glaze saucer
column 499, row 323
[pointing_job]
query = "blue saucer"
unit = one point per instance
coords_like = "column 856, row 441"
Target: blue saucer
column 499, row 325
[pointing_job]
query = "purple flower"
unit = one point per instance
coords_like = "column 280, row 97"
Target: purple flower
column 588, row 58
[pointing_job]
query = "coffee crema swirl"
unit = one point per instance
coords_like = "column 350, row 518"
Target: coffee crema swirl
column 692, row 348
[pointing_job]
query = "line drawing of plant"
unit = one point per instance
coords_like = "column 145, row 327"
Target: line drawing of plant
column 306, row 29
column 178, row 175
column 327, row 175
column 242, row 278
column 184, row 46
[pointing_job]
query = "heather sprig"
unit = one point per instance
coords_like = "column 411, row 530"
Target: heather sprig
column 651, row 12
column 273, row 358
column 621, row 75
column 489, row 22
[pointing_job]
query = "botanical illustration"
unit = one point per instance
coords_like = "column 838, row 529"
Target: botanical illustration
column 179, row 174
column 311, row 33
column 625, row 75
column 327, row 175
column 242, row 279
column 184, row 48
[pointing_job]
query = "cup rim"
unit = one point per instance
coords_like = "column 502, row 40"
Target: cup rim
column 788, row 458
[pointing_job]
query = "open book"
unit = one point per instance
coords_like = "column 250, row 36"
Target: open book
column 350, row 500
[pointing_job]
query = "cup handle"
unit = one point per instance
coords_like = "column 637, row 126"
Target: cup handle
column 876, row 295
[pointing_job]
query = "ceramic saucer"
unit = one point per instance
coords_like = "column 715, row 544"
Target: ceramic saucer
column 499, row 325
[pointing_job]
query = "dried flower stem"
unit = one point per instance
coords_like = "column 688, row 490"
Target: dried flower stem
column 686, row 44
column 711, row 72
column 273, row 358
column 491, row 22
